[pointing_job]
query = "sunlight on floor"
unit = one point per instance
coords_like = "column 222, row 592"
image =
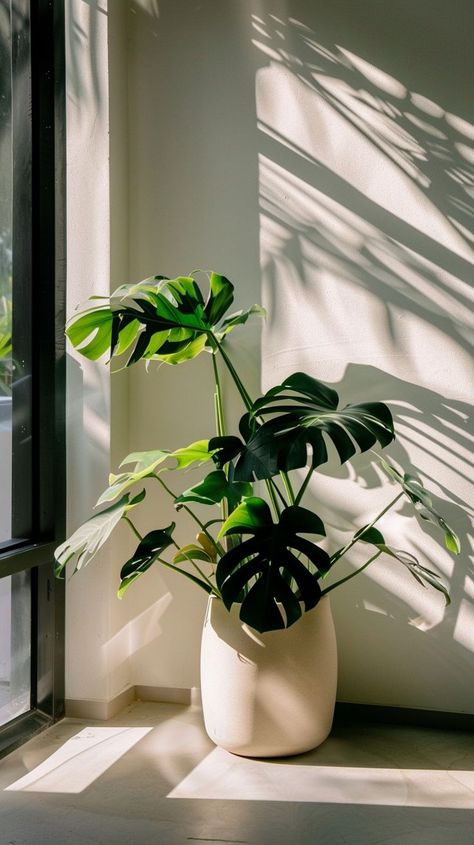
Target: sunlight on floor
column 80, row 761
column 223, row 776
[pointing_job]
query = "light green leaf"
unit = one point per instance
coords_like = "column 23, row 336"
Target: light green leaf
column 84, row 544
column 422, row 501
column 146, row 463
column 420, row 573
column 195, row 453
column 194, row 552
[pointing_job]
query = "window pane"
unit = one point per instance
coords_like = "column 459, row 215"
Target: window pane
column 15, row 645
column 6, row 193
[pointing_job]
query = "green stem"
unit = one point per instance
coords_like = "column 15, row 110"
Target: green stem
column 304, row 485
column 203, row 528
column 335, row 557
column 289, row 489
column 238, row 383
column 219, row 408
column 277, row 490
column 220, row 424
column 186, row 574
column 271, row 487
column 352, row 575
column 137, row 533
column 199, row 570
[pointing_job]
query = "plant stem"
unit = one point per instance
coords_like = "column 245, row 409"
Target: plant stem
column 304, row 485
column 246, row 399
column 335, row 557
column 199, row 570
column 183, row 572
column 352, row 574
column 277, row 490
column 271, row 487
column 238, row 383
column 220, row 424
column 289, row 489
column 220, row 420
column 137, row 533
column 203, row 528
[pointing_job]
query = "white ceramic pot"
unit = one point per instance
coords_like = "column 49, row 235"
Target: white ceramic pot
column 272, row 694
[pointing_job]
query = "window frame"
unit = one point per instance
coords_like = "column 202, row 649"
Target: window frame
column 39, row 274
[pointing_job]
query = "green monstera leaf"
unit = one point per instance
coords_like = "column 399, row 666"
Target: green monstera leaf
column 301, row 411
column 149, row 464
column 421, row 574
column 84, row 544
column 265, row 572
column 214, row 488
column 423, row 504
column 159, row 319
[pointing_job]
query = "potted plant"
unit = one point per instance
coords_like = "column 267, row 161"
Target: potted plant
column 268, row 635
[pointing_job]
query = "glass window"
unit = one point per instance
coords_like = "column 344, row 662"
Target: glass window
column 32, row 365
column 6, row 193
column 15, row 646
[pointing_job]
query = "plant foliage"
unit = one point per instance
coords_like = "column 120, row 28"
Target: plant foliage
column 262, row 554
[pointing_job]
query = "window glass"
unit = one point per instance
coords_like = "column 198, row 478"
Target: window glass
column 6, row 363
column 15, row 646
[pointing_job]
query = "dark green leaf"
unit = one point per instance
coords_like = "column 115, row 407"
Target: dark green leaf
column 149, row 549
column 302, row 412
column 370, row 535
column 264, row 570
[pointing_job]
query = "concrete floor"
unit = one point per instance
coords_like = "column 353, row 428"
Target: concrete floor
column 151, row 777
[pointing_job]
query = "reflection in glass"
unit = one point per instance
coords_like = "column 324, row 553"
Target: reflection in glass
column 15, row 648
column 6, row 193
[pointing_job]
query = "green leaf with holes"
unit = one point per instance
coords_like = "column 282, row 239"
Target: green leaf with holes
column 265, row 573
column 84, row 543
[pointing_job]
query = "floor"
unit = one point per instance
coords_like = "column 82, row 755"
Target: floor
column 151, row 777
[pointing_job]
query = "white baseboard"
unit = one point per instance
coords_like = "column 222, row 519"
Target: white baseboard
column 82, row 708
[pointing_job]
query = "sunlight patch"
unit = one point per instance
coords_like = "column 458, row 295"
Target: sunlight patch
column 80, row 761
column 223, row 776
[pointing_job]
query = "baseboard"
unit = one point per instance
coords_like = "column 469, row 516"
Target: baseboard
column 79, row 708
column 347, row 713
column 165, row 695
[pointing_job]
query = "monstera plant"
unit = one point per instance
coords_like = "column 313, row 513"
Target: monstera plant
column 259, row 552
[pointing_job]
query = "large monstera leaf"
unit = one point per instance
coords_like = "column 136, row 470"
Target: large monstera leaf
column 297, row 414
column 159, row 319
column 266, row 569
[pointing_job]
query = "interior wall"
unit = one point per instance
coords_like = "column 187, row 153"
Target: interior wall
column 97, row 625
column 319, row 155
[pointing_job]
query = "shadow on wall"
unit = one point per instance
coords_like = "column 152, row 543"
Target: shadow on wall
column 366, row 190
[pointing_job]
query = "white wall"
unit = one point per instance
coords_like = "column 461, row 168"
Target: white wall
column 97, row 638
column 327, row 181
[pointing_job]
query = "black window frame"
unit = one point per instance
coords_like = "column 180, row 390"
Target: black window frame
column 39, row 280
